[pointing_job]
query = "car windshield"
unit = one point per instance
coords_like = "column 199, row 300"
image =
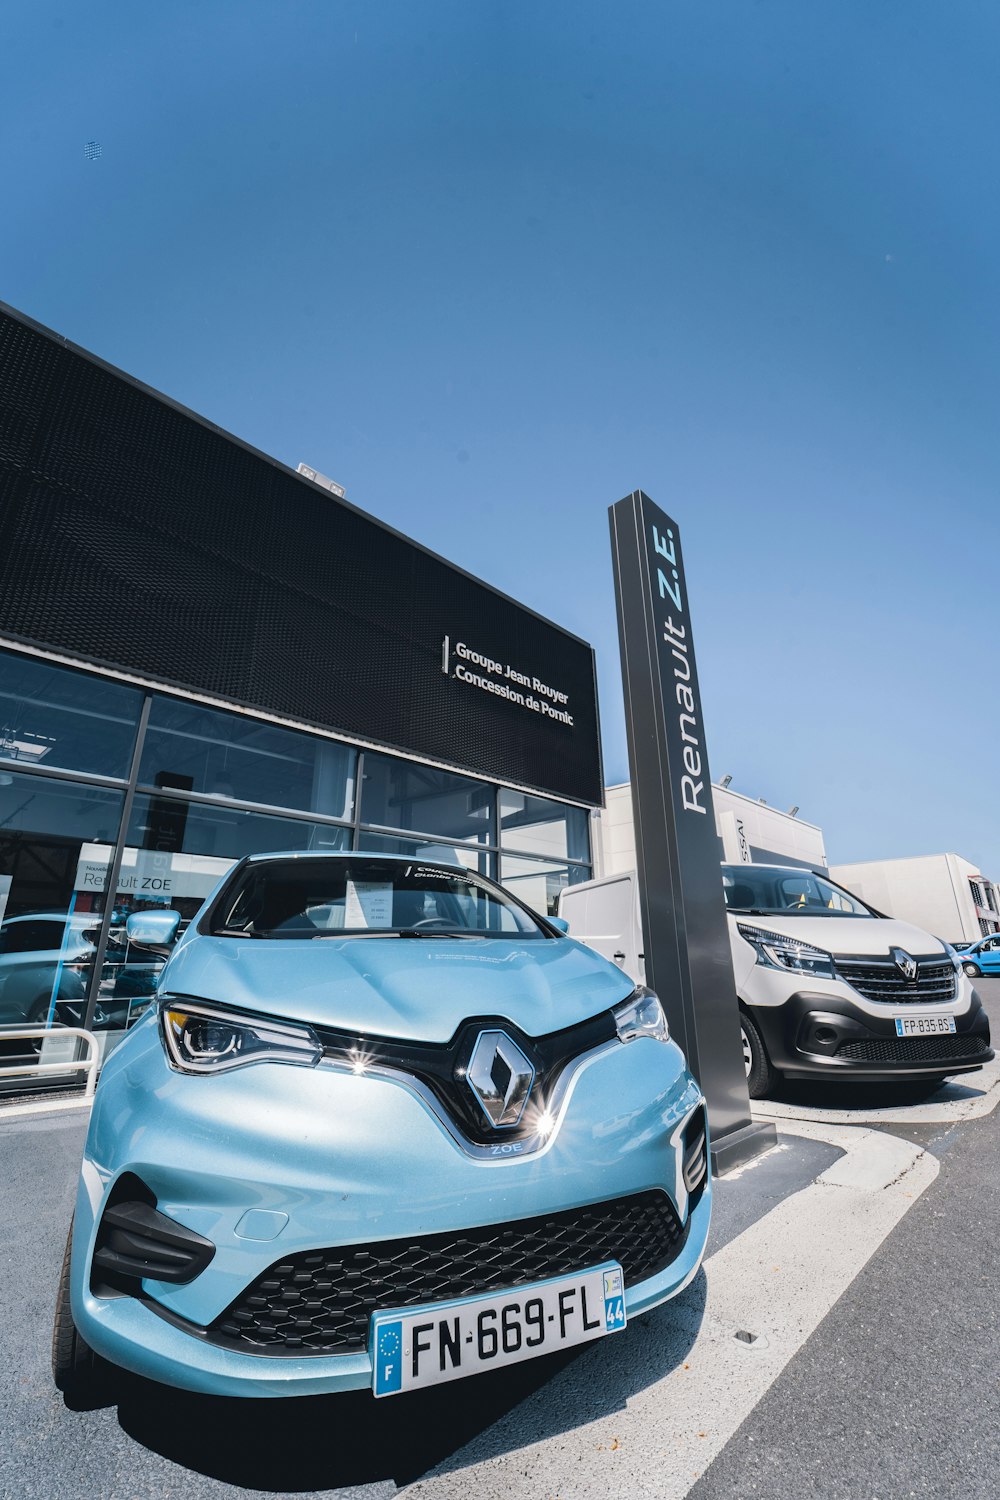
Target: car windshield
column 779, row 891
column 362, row 897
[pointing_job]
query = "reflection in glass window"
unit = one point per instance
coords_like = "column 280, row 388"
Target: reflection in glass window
column 538, row 884
column 55, row 846
column 55, row 717
column 175, row 855
column 164, row 827
column 195, row 749
column 403, row 794
column 540, row 826
column 468, row 859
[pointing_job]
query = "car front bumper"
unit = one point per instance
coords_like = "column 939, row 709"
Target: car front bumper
column 340, row 1160
column 823, row 1035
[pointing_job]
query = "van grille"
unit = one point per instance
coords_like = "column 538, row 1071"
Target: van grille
column 925, row 1050
column 879, row 979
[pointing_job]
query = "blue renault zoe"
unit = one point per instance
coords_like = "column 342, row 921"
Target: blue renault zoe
column 382, row 1127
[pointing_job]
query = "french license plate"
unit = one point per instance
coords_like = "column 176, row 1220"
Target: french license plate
column 416, row 1347
column 924, row 1025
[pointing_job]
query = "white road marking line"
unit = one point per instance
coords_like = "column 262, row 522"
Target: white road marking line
column 965, row 1098
column 779, row 1279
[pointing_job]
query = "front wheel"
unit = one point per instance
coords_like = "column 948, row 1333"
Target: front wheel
column 85, row 1379
column 760, row 1074
column 973, row 971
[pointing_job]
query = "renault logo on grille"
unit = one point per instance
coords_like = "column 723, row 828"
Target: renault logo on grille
column 906, row 965
column 500, row 1076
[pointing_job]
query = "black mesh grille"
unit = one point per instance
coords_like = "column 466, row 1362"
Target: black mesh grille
column 922, row 1049
column 881, row 980
column 320, row 1302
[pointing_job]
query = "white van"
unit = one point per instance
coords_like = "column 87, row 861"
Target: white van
column 827, row 986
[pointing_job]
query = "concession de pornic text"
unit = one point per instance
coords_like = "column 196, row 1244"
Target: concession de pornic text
column 547, row 701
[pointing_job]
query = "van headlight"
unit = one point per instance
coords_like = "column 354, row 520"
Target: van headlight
column 203, row 1038
column 641, row 1015
column 775, row 951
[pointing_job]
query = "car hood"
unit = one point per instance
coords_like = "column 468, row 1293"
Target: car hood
column 416, row 989
column 847, row 935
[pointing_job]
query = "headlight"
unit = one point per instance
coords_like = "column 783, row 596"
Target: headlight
column 641, row 1015
column 775, row 951
column 202, row 1038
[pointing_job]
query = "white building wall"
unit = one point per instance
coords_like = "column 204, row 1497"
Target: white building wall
column 935, row 891
column 749, row 831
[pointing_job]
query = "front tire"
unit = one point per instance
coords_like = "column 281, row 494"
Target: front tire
column 973, row 970
column 760, row 1074
column 85, row 1379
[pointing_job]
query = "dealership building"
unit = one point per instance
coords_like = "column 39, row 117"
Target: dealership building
column 205, row 655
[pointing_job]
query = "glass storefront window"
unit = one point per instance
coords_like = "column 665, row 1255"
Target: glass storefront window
column 404, row 794
column 175, row 854
column 56, row 839
column 447, row 854
column 537, row 825
column 538, row 883
column 195, row 749
column 56, row 718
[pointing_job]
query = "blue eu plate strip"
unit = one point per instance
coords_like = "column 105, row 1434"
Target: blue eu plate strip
column 389, row 1359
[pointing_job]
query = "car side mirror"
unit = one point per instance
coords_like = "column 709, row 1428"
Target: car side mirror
column 559, row 923
column 155, row 930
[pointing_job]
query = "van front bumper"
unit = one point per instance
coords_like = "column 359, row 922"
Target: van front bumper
column 813, row 1035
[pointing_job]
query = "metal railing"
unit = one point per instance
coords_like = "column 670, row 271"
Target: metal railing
column 89, row 1063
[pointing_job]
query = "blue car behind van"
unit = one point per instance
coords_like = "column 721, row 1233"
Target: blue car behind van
column 982, row 957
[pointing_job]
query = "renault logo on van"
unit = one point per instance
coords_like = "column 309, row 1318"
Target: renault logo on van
column 906, row 965
column 500, row 1076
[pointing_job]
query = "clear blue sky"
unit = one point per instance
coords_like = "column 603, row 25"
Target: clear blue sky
column 493, row 264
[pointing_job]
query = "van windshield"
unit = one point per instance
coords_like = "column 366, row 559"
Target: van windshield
column 356, row 896
column 776, row 890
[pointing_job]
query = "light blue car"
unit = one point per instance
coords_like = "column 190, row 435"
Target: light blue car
column 383, row 1127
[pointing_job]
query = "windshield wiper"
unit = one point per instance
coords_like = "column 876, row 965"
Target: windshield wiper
column 434, row 932
column 236, row 932
column 344, row 934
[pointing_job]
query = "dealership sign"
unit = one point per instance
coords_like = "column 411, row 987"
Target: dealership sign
column 686, row 942
column 504, row 681
column 149, row 874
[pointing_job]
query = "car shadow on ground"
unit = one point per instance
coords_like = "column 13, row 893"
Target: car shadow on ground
column 329, row 1442
column 872, row 1096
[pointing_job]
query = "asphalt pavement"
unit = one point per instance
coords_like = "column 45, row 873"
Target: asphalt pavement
column 886, row 1386
column 897, row 1394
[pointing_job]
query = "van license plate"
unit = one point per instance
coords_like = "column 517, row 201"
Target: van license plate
column 924, row 1025
column 416, row 1347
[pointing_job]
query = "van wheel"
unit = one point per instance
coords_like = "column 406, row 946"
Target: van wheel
column 973, row 971
column 85, row 1379
column 760, row 1074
